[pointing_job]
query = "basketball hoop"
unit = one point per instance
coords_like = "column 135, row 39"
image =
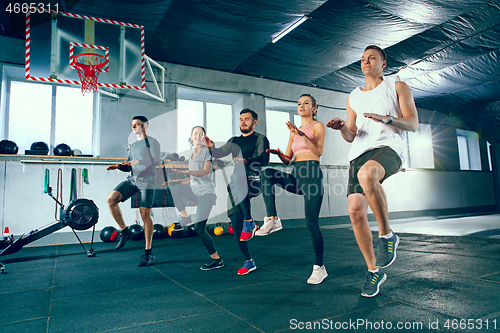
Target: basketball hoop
column 89, row 65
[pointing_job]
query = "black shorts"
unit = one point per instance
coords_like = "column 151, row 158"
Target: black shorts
column 133, row 185
column 386, row 156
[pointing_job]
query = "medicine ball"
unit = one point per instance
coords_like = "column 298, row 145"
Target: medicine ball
column 137, row 232
column 182, row 159
column 109, row 234
column 77, row 152
column 189, row 231
column 8, row 147
column 62, row 149
column 40, row 146
column 174, row 157
column 158, row 231
column 230, row 229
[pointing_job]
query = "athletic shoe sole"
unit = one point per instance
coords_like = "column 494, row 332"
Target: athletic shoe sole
column 253, row 234
column 250, row 270
column 378, row 288
column 270, row 232
column 274, row 230
column 324, row 277
column 211, row 268
column 394, row 258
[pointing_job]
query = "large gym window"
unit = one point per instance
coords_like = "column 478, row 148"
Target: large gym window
column 468, row 150
column 74, row 118
column 34, row 117
column 212, row 110
column 277, row 114
column 29, row 114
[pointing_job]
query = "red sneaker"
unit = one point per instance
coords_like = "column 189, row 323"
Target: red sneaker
column 248, row 231
column 247, row 268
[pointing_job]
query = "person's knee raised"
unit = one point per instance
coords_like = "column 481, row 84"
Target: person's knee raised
column 366, row 177
column 112, row 199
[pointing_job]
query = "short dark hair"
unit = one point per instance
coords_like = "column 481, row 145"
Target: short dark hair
column 203, row 129
column 143, row 119
column 375, row 47
column 254, row 114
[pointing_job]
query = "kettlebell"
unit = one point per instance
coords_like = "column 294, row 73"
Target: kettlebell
column 218, row 230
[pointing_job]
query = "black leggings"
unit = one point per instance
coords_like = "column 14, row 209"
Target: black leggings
column 242, row 190
column 238, row 217
column 237, row 223
column 305, row 179
column 205, row 204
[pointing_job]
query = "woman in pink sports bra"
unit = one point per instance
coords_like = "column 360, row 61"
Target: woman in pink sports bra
column 305, row 147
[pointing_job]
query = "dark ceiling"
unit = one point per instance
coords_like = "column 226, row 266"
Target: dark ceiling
column 447, row 51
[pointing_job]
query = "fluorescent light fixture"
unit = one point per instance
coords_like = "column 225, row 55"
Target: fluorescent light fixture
column 290, row 28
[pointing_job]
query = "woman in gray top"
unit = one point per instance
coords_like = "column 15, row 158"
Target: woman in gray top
column 198, row 188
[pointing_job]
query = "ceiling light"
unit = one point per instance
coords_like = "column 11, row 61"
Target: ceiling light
column 290, row 28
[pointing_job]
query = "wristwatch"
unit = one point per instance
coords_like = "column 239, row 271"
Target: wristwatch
column 390, row 120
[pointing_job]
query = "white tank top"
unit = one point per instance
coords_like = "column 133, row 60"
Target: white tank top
column 382, row 100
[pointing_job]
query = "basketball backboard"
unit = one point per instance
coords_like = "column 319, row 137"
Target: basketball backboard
column 54, row 39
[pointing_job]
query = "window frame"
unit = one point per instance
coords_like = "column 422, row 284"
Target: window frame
column 473, row 151
column 205, row 97
column 8, row 79
column 284, row 107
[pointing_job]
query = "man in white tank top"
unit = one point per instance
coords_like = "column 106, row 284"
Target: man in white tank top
column 378, row 115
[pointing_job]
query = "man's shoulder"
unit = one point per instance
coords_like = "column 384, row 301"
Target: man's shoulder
column 355, row 90
column 401, row 85
column 152, row 139
column 260, row 136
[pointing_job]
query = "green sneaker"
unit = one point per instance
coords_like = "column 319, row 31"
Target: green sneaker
column 387, row 251
column 373, row 282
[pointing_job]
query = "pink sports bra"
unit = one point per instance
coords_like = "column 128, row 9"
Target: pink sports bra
column 298, row 145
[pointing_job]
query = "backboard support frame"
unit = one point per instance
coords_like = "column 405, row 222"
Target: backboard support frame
column 55, row 52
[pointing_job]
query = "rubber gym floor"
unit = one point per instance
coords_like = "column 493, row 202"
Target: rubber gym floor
column 437, row 284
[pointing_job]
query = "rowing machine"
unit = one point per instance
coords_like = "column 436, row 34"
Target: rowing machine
column 80, row 214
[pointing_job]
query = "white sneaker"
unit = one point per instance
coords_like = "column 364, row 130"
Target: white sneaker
column 318, row 275
column 269, row 227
